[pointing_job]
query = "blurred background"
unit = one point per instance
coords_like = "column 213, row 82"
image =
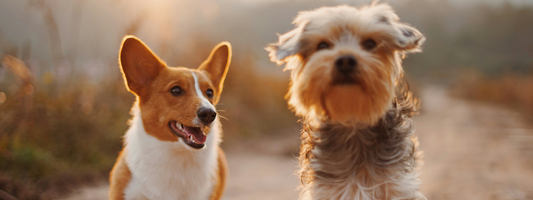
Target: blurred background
column 64, row 107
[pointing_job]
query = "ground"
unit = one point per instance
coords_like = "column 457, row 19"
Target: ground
column 471, row 151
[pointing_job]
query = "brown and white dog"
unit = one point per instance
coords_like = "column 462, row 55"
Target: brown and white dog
column 346, row 84
column 171, row 150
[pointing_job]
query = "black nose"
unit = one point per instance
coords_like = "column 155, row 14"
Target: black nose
column 206, row 115
column 345, row 64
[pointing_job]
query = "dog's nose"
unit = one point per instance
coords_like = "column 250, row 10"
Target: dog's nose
column 346, row 63
column 206, row 115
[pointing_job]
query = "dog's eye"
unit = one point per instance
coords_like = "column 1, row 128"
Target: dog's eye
column 322, row 45
column 369, row 44
column 209, row 93
column 176, row 91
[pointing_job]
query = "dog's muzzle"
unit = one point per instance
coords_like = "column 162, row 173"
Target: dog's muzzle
column 346, row 67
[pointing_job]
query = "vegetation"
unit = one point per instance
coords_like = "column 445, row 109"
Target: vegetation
column 489, row 57
column 61, row 132
column 511, row 90
column 62, row 119
column 487, row 39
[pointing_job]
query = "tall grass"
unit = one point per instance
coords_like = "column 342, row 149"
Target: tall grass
column 56, row 135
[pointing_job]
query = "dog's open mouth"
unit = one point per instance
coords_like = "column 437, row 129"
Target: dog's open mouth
column 192, row 136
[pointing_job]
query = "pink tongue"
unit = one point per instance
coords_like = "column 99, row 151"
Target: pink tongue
column 196, row 133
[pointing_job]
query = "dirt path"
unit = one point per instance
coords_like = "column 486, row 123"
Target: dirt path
column 471, row 152
column 252, row 176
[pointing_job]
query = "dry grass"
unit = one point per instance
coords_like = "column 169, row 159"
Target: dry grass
column 512, row 90
column 58, row 136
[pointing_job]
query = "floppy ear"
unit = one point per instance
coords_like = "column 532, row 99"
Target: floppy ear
column 217, row 65
column 288, row 45
column 139, row 65
column 407, row 38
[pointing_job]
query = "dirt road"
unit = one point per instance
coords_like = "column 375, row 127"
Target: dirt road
column 472, row 151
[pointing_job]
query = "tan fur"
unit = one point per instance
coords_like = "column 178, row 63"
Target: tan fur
column 312, row 93
column 220, row 182
column 157, row 105
column 118, row 185
column 150, row 80
column 357, row 141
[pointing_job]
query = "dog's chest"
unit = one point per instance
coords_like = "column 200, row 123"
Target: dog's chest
column 360, row 164
column 167, row 170
column 167, row 177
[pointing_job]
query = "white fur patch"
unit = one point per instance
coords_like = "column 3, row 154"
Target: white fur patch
column 205, row 103
column 169, row 170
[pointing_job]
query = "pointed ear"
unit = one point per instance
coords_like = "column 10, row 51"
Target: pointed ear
column 217, row 64
column 139, row 65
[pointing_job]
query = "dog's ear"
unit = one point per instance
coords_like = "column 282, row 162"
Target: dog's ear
column 217, row 64
column 407, row 38
column 398, row 35
column 288, row 45
column 139, row 65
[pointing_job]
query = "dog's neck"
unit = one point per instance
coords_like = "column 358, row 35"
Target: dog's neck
column 155, row 164
column 353, row 162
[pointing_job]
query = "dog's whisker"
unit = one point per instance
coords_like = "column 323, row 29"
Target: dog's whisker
column 223, row 117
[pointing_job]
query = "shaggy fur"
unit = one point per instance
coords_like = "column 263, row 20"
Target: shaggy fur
column 357, row 140
column 375, row 162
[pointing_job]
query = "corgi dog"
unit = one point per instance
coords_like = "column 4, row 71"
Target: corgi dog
column 171, row 150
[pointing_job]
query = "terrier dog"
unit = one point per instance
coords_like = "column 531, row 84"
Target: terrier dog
column 171, row 149
column 346, row 85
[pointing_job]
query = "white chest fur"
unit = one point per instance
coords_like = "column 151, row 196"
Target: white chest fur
column 169, row 170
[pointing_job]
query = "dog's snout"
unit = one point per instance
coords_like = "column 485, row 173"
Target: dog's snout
column 346, row 63
column 206, row 115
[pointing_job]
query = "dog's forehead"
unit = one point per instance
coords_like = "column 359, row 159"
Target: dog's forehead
column 340, row 19
column 187, row 73
column 202, row 76
column 180, row 73
column 175, row 76
column 184, row 73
